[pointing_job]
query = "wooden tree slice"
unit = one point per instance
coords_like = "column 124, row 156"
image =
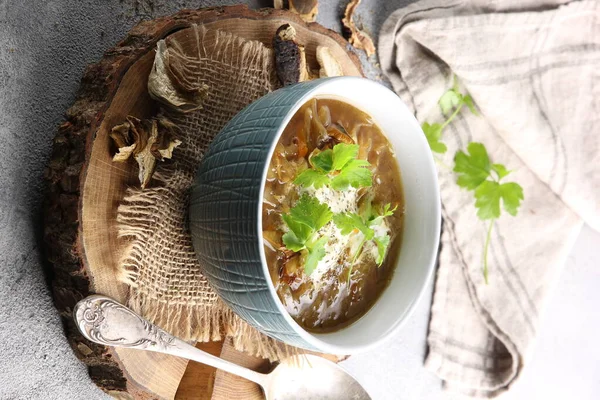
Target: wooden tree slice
column 85, row 188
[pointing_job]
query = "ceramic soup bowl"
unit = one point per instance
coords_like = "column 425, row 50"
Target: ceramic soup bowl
column 226, row 209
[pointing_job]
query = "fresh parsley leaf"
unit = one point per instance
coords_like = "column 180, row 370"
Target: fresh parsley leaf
column 433, row 133
column 312, row 177
column 350, row 222
column 512, row 194
column 449, row 100
column 353, row 174
column 347, row 222
column 387, row 211
column 453, row 98
column 382, row 245
column 474, row 168
column 292, row 242
column 489, row 194
column 310, row 212
column 468, row 101
column 315, row 253
column 500, row 170
column 298, row 234
column 323, row 161
column 306, row 217
column 487, row 200
column 342, row 154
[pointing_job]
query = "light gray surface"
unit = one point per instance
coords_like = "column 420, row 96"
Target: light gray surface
column 565, row 364
column 44, row 47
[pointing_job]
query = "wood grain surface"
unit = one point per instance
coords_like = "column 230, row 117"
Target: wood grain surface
column 85, row 188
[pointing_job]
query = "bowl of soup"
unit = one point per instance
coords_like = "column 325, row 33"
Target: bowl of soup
column 315, row 214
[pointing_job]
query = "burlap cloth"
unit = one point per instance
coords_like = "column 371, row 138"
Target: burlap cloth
column 218, row 74
column 532, row 68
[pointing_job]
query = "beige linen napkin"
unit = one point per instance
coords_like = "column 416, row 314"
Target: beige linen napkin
column 533, row 69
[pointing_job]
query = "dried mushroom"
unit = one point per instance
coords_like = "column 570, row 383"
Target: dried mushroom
column 168, row 83
column 290, row 58
column 357, row 38
column 329, row 65
column 147, row 141
column 306, row 9
column 339, row 134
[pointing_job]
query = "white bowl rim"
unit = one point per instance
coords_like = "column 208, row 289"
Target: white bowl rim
column 312, row 338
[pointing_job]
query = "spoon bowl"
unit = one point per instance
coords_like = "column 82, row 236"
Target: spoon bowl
column 103, row 320
column 306, row 376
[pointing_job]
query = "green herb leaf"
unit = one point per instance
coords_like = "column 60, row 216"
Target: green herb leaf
column 306, row 217
column 312, row 177
column 387, row 211
column 352, row 171
column 512, row 194
column 500, row 170
column 315, row 253
column 382, row 245
column 354, row 174
column 342, row 154
column 487, row 200
column 489, row 194
column 468, row 101
column 310, row 212
column 433, row 133
column 474, row 168
column 292, row 242
column 347, row 222
column 449, row 100
column 323, row 161
column 299, row 233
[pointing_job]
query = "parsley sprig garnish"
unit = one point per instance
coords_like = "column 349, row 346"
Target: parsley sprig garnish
column 453, row 99
column 304, row 220
column 338, row 168
column 475, row 173
column 474, row 169
column 349, row 222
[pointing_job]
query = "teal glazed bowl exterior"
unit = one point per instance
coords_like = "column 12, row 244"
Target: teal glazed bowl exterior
column 226, row 214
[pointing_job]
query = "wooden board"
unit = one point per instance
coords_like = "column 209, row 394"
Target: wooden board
column 198, row 380
column 80, row 228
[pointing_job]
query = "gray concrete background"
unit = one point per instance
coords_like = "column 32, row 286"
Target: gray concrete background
column 44, row 47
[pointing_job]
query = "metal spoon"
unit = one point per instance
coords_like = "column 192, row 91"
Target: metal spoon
column 107, row 322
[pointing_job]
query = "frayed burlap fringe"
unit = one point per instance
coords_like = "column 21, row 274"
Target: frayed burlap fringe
column 203, row 78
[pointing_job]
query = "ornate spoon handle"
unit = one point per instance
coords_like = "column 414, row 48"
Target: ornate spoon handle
column 102, row 320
